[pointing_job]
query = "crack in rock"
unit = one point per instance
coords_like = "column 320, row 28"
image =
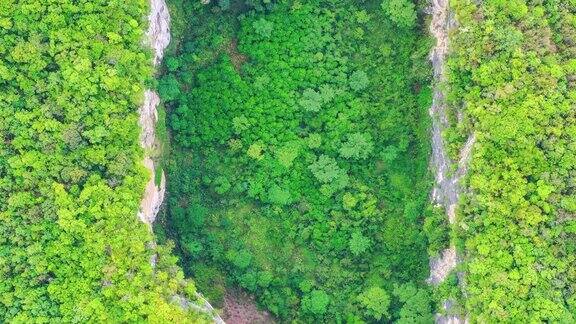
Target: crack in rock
column 446, row 191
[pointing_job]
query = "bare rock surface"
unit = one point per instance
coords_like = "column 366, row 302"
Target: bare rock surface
column 158, row 37
column 153, row 194
column 159, row 28
column 441, row 266
column 203, row 306
column 450, row 319
column 446, row 191
column 148, row 118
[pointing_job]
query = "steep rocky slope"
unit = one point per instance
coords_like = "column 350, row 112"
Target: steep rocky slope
column 158, row 37
column 446, row 192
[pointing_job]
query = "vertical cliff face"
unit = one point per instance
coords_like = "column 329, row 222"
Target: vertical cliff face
column 444, row 192
column 447, row 189
column 158, row 38
column 159, row 29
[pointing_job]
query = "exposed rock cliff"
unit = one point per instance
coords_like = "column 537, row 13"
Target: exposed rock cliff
column 154, row 194
column 159, row 29
column 158, row 36
column 447, row 189
column 440, row 267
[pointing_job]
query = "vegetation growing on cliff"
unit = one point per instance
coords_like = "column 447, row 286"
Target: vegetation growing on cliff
column 299, row 162
column 298, row 165
column 513, row 73
column 72, row 75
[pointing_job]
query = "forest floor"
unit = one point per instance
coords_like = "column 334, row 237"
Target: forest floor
column 240, row 308
column 237, row 58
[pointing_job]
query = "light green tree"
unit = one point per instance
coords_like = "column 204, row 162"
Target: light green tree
column 255, row 151
column 359, row 243
column 327, row 171
column 375, row 302
column 359, row 80
column 401, row 12
column 263, row 27
column 316, row 302
column 358, row 146
column 311, row 100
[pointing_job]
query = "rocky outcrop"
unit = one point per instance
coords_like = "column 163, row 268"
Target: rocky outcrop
column 446, row 192
column 447, row 305
column 158, row 38
column 441, row 266
column 154, row 193
column 203, row 307
column 148, row 118
column 158, row 29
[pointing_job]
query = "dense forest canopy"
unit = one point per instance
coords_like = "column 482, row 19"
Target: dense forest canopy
column 299, row 166
column 296, row 138
column 72, row 75
column 512, row 74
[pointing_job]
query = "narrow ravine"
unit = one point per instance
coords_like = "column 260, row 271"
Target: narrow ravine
column 158, row 38
column 446, row 192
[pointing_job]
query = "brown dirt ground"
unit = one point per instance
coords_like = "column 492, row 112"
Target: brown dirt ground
column 240, row 308
column 237, row 58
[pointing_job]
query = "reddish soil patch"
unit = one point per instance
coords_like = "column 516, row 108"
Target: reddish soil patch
column 237, row 58
column 240, row 308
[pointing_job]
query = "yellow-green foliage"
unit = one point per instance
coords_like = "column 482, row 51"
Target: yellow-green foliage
column 71, row 247
column 512, row 70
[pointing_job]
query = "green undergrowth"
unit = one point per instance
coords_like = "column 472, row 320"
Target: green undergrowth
column 163, row 142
